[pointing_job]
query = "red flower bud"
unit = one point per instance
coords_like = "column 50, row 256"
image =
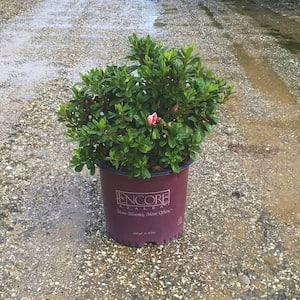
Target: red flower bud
column 174, row 107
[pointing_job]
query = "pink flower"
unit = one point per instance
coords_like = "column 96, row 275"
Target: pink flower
column 174, row 107
column 151, row 119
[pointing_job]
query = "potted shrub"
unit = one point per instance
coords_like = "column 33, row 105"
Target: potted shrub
column 142, row 124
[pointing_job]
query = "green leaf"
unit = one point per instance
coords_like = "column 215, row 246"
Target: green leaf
column 102, row 124
column 171, row 142
column 145, row 173
column 193, row 119
column 175, row 168
column 188, row 51
column 78, row 168
column 155, row 134
column 163, row 143
column 208, row 126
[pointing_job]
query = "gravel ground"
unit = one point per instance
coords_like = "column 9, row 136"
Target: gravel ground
column 9, row 9
column 241, row 239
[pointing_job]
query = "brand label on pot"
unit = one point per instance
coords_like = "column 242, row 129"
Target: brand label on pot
column 143, row 200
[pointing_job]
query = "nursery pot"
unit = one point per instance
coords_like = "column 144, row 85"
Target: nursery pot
column 140, row 211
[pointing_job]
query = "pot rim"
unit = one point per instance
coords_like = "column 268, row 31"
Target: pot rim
column 111, row 169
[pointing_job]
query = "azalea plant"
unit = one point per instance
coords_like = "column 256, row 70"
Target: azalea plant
column 149, row 115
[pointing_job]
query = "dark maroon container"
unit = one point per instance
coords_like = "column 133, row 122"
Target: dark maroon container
column 140, row 211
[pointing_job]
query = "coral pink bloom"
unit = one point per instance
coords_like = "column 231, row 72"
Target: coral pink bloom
column 151, row 119
column 174, row 107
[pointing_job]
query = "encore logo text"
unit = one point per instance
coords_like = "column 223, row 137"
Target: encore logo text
column 143, row 200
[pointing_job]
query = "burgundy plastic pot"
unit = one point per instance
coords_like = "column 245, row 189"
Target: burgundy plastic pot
column 140, row 211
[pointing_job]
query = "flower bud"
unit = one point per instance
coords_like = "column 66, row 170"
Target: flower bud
column 174, row 107
column 152, row 119
column 78, row 88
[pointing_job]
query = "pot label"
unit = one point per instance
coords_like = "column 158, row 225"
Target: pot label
column 152, row 200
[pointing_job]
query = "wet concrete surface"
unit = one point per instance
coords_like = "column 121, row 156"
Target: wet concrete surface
column 283, row 25
column 242, row 229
